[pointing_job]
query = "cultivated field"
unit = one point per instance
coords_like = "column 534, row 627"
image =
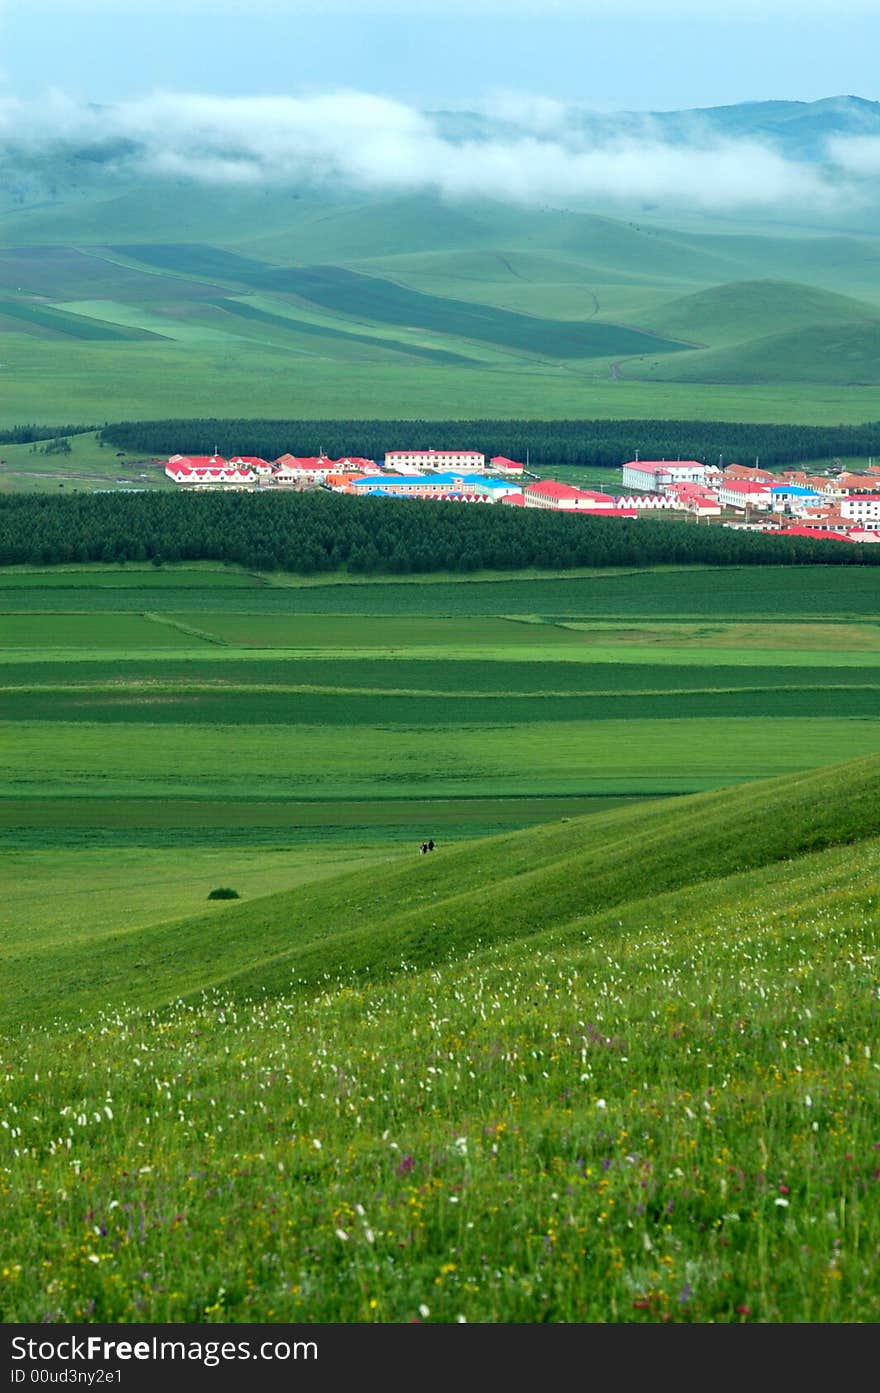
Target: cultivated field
column 153, row 710
column 317, row 309
column 607, row 1054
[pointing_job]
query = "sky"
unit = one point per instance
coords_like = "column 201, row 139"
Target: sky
column 286, row 91
column 629, row 54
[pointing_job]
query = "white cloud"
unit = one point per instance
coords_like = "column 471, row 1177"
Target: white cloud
column 857, row 155
column 379, row 144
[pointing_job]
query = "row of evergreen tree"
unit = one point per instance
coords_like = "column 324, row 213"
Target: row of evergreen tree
column 27, row 435
column 306, row 533
column 602, row 443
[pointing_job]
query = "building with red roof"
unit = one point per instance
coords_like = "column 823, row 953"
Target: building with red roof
column 652, row 475
column 861, row 507
column 744, row 493
column 547, row 493
column 749, row 473
column 821, row 534
column 212, row 470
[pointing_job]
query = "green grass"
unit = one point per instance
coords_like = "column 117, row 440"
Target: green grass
column 745, row 310
column 35, row 632
column 262, row 834
column 557, row 757
column 752, row 593
column 847, row 354
column 383, row 1109
column 508, row 312
column 88, row 466
column 372, row 298
column 155, row 380
column 67, row 273
column 60, row 322
column 564, row 1027
column 85, row 579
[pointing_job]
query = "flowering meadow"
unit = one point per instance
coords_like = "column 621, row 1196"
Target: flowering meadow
column 664, row 1110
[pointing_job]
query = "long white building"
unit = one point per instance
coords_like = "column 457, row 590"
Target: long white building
column 405, row 460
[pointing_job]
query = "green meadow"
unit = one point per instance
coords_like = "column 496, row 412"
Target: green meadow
column 314, row 308
column 146, row 707
column 608, row 1054
column 616, row 1068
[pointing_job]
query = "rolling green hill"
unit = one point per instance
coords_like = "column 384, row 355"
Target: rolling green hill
column 615, row 1069
column 846, row 354
column 293, row 301
column 487, row 891
column 743, row 310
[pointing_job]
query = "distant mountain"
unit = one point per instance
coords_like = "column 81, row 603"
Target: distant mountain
column 798, row 130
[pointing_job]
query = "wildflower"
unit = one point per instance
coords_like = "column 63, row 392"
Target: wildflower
column 424, row 1311
column 342, row 1235
column 783, row 1204
column 600, row 1103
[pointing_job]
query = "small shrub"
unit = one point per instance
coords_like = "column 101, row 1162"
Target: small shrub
column 223, row 892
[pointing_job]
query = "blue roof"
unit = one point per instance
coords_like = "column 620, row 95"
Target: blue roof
column 433, row 477
column 795, row 488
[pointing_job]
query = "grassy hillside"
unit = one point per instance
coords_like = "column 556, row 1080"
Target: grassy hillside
column 615, row 1069
column 466, row 897
column 848, row 354
column 745, row 310
column 288, row 302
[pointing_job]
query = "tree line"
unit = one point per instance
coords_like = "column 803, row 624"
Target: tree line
column 308, row 533
column 27, row 435
column 588, row 442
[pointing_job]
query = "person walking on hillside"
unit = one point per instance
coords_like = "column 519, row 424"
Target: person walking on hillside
column 423, row 849
column 431, row 844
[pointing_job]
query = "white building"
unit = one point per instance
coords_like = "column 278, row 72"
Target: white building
column 546, row 493
column 743, row 493
column 208, row 470
column 654, row 474
column 405, row 460
column 863, row 508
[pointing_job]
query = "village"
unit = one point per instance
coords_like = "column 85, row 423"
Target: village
column 838, row 505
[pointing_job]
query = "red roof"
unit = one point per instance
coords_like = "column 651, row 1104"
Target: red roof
column 744, row 486
column 818, row 532
column 503, row 462
column 198, row 461
column 517, row 499
column 550, row 489
column 655, row 464
column 686, row 490
column 743, row 471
